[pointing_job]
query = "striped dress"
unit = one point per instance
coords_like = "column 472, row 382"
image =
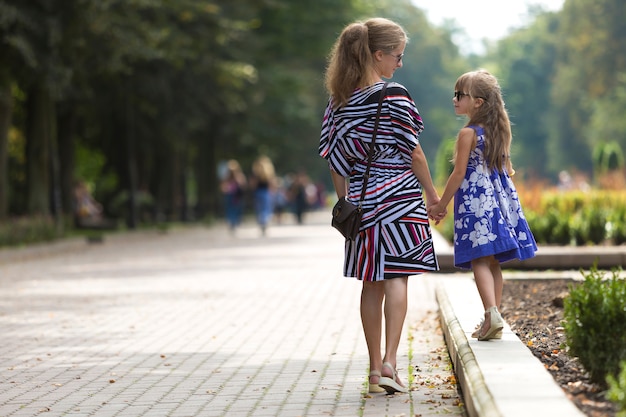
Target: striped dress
column 395, row 238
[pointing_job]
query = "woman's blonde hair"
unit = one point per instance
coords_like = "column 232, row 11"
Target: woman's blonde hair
column 491, row 114
column 351, row 61
column 263, row 169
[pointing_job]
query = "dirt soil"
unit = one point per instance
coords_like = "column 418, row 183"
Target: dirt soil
column 534, row 310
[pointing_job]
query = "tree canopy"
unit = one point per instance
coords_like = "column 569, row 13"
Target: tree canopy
column 145, row 98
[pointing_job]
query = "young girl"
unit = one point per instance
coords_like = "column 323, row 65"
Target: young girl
column 489, row 225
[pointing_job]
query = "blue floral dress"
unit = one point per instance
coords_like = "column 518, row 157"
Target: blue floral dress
column 488, row 217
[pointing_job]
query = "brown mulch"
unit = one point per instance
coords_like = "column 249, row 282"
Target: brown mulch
column 534, row 310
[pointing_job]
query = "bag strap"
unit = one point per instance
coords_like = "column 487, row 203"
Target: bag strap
column 366, row 176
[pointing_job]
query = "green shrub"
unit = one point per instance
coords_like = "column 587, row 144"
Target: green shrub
column 579, row 218
column 25, row 230
column 558, row 227
column 595, row 323
column 616, row 226
column 617, row 390
column 551, row 227
column 588, row 226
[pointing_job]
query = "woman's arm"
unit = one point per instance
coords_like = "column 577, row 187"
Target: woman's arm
column 419, row 165
column 340, row 184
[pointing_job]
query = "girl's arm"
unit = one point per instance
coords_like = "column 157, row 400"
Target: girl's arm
column 466, row 141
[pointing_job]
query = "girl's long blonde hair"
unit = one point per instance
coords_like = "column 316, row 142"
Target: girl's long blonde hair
column 351, row 62
column 491, row 114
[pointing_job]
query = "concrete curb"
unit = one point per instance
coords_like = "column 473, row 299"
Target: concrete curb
column 477, row 398
column 554, row 258
column 498, row 378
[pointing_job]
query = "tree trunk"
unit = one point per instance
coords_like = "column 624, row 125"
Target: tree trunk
column 206, row 176
column 67, row 159
column 38, row 130
column 132, row 159
column 6, row 111
column 55, row 170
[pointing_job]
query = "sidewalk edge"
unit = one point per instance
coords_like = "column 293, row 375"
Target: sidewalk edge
column 477, row 398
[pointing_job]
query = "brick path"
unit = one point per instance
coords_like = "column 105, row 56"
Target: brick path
column 197, row 322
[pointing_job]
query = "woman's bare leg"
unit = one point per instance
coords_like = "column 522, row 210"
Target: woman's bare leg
column 395, row 314
column 372, row 296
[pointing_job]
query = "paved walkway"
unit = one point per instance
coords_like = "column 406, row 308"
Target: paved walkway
column 197, row 322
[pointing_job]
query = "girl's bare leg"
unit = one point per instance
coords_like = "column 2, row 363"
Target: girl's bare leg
column 485, row 281
column 498, row 282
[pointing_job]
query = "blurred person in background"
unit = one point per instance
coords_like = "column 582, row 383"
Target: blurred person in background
column 233, row 186
column 263, row 182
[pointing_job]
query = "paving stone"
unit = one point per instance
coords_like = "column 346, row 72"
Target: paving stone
column 198, row 322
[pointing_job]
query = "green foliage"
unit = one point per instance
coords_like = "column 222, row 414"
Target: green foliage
column 590, row 72
column 607, row 121
column 579, row 218
column 588, row 226
column 617, row 390
column 91, row 168
column 443, row 165
column 27, row 230
column 550, row 227
column 526, row 61
column 164, row 90
column 595, row 323
column 616, row 225
column 431, row 64
column 607, row 156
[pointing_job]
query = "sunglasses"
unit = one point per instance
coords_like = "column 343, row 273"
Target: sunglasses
column 459, row 95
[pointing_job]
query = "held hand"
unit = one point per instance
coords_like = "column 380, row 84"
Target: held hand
column 436, row 212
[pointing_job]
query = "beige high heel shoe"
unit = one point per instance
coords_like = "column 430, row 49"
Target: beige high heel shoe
column 496, row 324
column 375, row 388
column 390, row 384
column 498, row 335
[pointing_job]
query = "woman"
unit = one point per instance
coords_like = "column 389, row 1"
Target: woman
column 263, row 182
column 395, row 240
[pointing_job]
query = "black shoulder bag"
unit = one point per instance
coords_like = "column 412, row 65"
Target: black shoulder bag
column 347, row 216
